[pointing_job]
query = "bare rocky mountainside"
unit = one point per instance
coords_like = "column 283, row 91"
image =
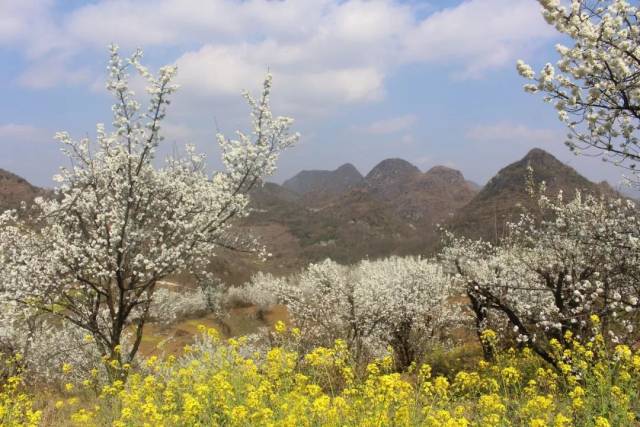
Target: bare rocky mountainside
column 394, row 209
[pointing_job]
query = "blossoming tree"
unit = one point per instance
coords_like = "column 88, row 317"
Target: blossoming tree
column 404, row 303
column 595, row 85
column 93, row 254
column 551, row 275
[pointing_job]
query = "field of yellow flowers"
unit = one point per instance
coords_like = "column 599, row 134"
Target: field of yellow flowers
column 218, row 382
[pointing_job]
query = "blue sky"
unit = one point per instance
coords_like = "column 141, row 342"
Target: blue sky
column 433, row 82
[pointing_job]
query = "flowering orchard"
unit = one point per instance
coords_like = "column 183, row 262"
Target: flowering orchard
column 555, row 307
column 92, row 257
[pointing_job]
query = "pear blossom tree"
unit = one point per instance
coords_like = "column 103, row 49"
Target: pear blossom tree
column 402, row 303
column 551, row 275
column 418, row 301
column 595, row 86
column 468, row 261
column 93, row 255
column 45, row 343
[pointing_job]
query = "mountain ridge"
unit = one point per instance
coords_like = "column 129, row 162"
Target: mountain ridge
column 393, row 210
column 331, row 182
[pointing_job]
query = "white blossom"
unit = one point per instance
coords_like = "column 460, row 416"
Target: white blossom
column 404, row 303
column 118, row 224
column 596, row 83
column 549, row 276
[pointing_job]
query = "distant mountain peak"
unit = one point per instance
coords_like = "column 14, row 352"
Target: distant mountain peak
column 556, row 174
column 442, row 169
column 446, row 174
column 15, row 189
column 348, row 167
column 538, row 155
column 324, row 181
column 392, row 169
column 505, row 194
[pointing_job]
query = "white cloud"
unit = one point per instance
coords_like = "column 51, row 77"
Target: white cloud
column 478, row 35
column 390, row 126
column 20, row 132
column 134, row 23
column 327, row 52
column 53, row 71
column 216, row 70
column 17, row 18
column 515, row 134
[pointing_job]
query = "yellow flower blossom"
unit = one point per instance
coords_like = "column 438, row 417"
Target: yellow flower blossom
column 220, row 384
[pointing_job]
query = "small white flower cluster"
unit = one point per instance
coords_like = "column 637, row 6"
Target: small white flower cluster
column 595, row 86
column 260, row 293
column 402, row 303
column 551, row 274
column 171, row 305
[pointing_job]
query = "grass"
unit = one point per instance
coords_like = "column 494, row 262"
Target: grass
column 170, row 340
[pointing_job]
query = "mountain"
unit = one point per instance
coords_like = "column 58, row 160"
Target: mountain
column 323, row 181
column 14, row 190
column 393, row 210
column 344, row 226
column 390, row 178
column 420, row 198
column 503, row 198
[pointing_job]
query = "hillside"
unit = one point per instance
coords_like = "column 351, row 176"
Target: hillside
column 394, row 209
column 14, row 190
column 424, row 199
column 326, row 182
column 502, row 199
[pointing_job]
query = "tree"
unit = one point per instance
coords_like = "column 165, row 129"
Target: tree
column 417, row 302
column 549, row 276
column 93, row 254
column 404, row 303
column 595, row 85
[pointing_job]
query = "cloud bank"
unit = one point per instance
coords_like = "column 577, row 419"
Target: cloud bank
column 325, row 53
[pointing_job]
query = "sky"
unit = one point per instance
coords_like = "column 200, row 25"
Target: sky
column 433, row 82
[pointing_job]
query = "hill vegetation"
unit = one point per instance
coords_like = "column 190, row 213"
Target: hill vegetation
column 505, row 195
